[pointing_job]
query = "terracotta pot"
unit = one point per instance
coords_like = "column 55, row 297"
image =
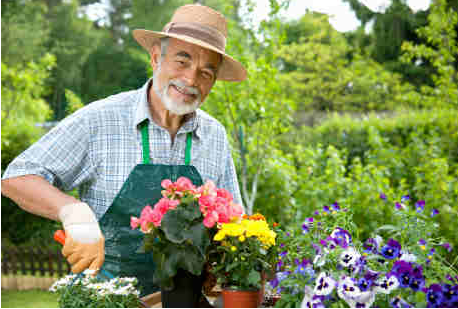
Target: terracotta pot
column 241, row 299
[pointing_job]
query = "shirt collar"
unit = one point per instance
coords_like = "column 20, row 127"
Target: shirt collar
column 192, row 122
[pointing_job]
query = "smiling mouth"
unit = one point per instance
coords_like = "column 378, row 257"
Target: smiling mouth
column 184, row 93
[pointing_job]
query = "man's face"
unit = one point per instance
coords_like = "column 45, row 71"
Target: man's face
column 184, row 76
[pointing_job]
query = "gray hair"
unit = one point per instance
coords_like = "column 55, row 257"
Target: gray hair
column 164, row 46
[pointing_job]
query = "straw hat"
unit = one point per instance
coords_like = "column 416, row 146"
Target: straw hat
column 200, row 25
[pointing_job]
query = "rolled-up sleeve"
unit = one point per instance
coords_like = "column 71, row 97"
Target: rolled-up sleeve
column 61, row 156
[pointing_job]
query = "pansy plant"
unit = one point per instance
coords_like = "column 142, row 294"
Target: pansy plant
column 325, row 263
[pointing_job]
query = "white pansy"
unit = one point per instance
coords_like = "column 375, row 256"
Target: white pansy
column 308, row 295
column 386, row 285
column 349, row 257
column 408, row 257
column 324, row 284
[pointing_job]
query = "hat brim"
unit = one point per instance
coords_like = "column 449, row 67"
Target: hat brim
column 230, row 70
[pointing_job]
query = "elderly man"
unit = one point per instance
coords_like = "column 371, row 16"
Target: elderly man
column 119, row 149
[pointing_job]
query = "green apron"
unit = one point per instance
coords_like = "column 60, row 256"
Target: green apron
column 142, row 187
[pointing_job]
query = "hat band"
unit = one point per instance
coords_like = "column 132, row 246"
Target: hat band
column 198, row 31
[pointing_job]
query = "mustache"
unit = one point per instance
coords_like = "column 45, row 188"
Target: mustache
column 182, row 86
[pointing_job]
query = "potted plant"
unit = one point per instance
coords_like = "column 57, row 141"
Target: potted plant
column 178, row 231
column 243, row 252
column 326, row 263
column 87, row 291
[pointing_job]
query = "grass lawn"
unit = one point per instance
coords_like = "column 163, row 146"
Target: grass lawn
column 28, row 299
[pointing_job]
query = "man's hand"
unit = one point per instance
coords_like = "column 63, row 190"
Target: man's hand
column 84, row 243
column 82, row 256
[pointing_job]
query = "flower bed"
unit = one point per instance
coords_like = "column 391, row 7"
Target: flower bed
column 324, row 263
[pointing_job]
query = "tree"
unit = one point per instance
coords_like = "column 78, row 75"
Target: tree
column 25, row 32
column 22, row 108
column 256, row 114
column 330, row 75
column 441, row 52
column 390, row 29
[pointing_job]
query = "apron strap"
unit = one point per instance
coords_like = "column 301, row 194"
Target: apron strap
column 145, row 144
column 187, row 157
column 145, row 141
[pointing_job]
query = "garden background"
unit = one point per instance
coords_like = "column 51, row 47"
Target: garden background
column 324, row 116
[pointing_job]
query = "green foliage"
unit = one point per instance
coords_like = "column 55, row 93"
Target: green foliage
column 181, row 241
column 441, row 52
column 25, row 31
column 256, row 112
column 72, row 39
column 351, row 162
column 326, row 78
column 22, row 109
column 74, row 102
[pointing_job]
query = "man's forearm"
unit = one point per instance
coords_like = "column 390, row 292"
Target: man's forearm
column 35, row 195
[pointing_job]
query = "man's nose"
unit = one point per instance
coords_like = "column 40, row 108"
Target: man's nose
column 190, row 76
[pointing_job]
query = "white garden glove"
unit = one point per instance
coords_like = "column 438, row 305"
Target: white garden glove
column 84, row 243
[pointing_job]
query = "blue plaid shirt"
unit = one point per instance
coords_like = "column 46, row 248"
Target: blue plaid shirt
column 97, row 147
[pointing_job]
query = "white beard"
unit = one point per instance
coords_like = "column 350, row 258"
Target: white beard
column 177, row 108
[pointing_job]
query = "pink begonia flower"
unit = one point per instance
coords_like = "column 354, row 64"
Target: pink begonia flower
column 166, row 183
column 223, row 193
column 145, row 211
column 208, row 188
column 134, row 222
column 173, row 204
column 145, row 226
column 207, row 203
column 162, row 205
column 156, row 218
column 210, row 219
column 184, row 184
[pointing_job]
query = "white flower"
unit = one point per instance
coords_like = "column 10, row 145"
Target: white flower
column 349, row 257
column 324, row 284
column 319, row 260
column 308, row 296
column 347, row 289
column 386, row 285
column 364, row 300
column 408, row 257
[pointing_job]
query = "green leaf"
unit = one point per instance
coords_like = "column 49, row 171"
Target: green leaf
column 254, row 278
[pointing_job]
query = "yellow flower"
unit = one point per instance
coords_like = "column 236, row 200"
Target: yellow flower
column 233, row 248
column 219, row 236
column 242, row 238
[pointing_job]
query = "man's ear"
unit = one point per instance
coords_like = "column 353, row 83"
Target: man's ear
column 155, row 54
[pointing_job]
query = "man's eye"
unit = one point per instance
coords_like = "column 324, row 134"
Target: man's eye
column 207, row 75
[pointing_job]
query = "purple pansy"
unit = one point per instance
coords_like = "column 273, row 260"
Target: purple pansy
column 326, row 209
column 435, row 296
column 450, row 295
column 305, row 228
column 399, row 302
column 422, row 242
column 301, row 266
column 341, row 237
column 420, row 205
column 365, row 283
column 383, row 196
column 405, row 198
column 399, row 206
column 372, row 245
column 434, row 212
column 324, row 284
column 447, row 246
column 335, row 206
column 391, row 250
